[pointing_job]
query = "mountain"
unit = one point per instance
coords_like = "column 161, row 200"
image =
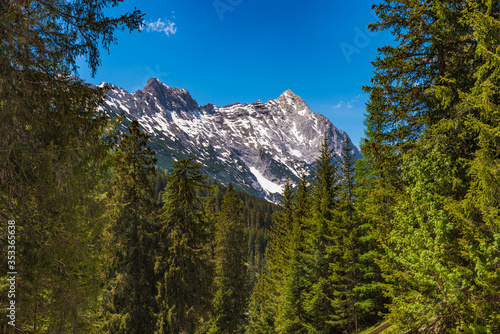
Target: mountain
column 254, row 145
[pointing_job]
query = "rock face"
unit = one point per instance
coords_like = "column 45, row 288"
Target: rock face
column 256, row 146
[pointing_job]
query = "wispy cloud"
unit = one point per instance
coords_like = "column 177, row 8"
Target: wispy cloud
column 349, row 104
column 343, row 104
column 167, row 26
column 338, row 105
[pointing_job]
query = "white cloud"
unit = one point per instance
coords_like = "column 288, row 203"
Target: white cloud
column 348, row 104
column 168, row 27
column 340, row 104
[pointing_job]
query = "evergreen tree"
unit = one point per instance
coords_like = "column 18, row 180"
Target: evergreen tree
column 131, row 288
column 231, row 286
column 322, row 244
column 263, row 306
column 478, row 215
column 291, row 316
column 357, row 299
column 53, row 152
column 433, row 48
column 426, row 285
column 279, row 252
column 346, row 297
column 183, row 266
column 302, row 201
column 269, row 288
column 441, row 226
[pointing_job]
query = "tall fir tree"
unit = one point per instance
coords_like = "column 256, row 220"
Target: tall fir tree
column 322, row 244
column 131, row 284
column 182, row 265
column 358, row 298
column 445, row 213
column 433, row 48
column 230, row 301
column 53, row 152
column 291, row 316
column 481, row 110
column 424, row 280
column 269, row 288
column 346, row 298
column 278, row 255
column 262, row 309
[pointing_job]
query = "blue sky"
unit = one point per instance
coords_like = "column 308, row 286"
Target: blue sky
column 226, row 51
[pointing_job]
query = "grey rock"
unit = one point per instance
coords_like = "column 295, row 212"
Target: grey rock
column 257, row 146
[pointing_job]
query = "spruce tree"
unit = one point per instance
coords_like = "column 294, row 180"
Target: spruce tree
column 322, row 244
column 433, row 48
column 302, row 201
column 231, row 280
column 268, row 290
column 279, row 251
column 182, row 264
column 262, row 309
column 291, row 316
column 131, row 285
column 442, row 222
column 346, row 297
column 357, row 297
column 53, row 152
column 478, row 214
column 425, row 281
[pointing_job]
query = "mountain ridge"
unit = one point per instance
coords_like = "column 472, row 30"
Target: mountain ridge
column 257, row 145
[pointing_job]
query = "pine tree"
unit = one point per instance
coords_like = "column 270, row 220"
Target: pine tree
column 183, row 267
column 478, row 215
column 357, row 298
column 267, row 292
column 346, row 297
column 445, row 212
column 130, row 301
column 231, row 286
column 429, row 283
column 263, row 306
column 433, row 48
column 322, row 244
column 279, row 252
column 302, row 201
column 291, row 316
column 53, row 152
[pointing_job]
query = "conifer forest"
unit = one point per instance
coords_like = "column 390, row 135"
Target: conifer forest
column 108, row 242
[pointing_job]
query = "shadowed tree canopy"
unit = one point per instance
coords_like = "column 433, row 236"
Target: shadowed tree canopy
column 53, row 152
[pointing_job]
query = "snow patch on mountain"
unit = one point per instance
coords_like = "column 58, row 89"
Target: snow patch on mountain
column 267, row 185
column 257, row 146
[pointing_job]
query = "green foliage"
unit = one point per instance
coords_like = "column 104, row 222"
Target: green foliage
column 291, row 315
column 422, row 248
column 131, row 283
column 322, row 275
column 432, row 157
column 53, row 154
column 231, row 286
column 263, row 306
column 183, row 266
column 285, row 261
column 321, row 253
column 357, row 297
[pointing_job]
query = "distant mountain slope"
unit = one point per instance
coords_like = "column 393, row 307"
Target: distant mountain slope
column 256, row 146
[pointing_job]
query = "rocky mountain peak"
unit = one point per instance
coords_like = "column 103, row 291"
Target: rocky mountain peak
column 292, row 103
column 289, row 93
column 257, row 146
column 171, row 98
